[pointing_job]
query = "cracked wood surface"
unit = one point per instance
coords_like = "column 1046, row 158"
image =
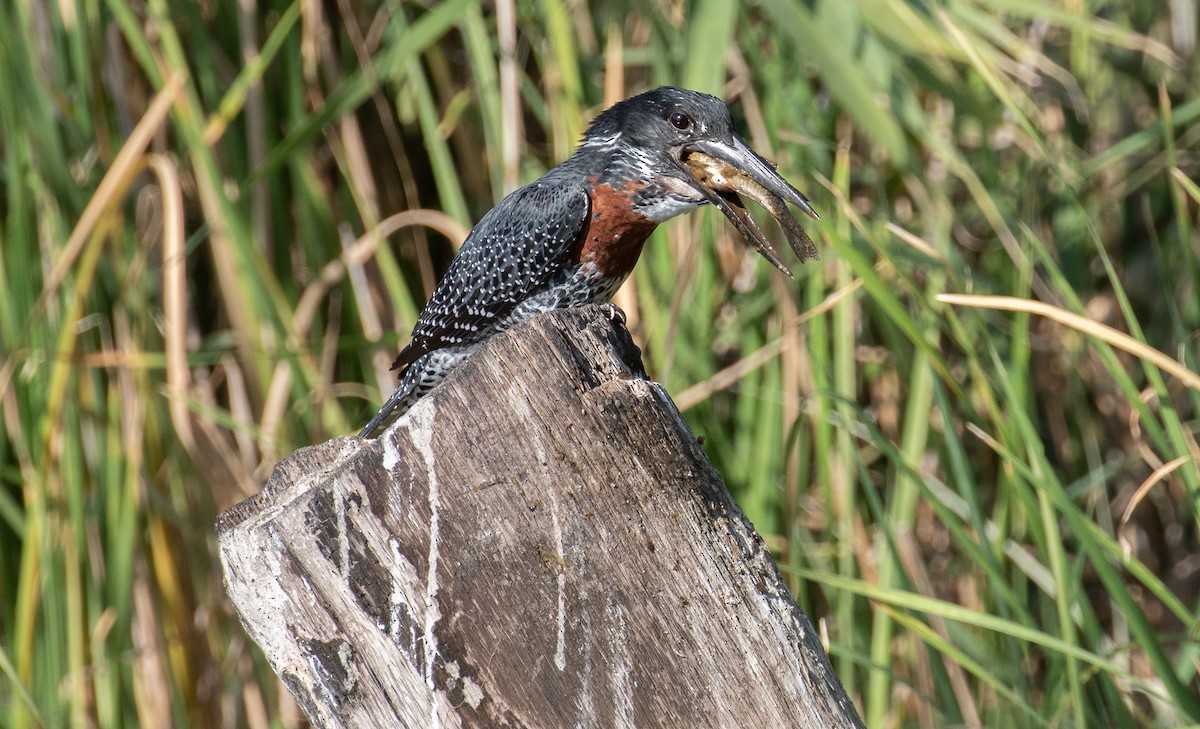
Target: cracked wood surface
column 540, row 542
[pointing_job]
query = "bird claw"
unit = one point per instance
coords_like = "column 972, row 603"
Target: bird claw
column 614, row 313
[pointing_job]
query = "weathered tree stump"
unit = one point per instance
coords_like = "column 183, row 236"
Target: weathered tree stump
column 540, row 542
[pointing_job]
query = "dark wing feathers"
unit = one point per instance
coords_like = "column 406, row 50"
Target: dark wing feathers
column 514, row 251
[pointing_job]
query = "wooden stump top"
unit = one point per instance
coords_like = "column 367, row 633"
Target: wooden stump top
column 540, row 542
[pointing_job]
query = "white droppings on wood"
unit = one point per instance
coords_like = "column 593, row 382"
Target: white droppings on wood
column 268, row 593
column 420, row 429
column 391, row 454
column 472, row 693
column 622, row 668
column 560, row 651
column 346, row 658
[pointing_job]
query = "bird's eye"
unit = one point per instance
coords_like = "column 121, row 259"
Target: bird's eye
column 681, row 121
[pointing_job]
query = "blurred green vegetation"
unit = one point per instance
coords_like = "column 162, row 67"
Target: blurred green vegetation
column 220, row 219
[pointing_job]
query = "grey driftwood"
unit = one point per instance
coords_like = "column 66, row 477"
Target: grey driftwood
column 540, row 542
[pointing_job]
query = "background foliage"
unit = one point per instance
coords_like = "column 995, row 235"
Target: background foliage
column 219, row 219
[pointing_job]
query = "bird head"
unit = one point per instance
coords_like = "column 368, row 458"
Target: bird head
column 682, row 145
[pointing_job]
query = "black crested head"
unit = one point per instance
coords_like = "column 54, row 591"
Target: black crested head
column 663, row 120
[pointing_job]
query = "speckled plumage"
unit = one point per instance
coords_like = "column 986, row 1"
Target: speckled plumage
column 568, row 239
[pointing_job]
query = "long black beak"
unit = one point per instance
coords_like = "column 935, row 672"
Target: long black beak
column 739, row 169
column 743, row 158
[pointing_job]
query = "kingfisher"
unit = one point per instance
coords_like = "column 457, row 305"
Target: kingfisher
column 572, row 237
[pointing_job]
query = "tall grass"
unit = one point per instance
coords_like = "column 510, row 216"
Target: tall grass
column 220, row 221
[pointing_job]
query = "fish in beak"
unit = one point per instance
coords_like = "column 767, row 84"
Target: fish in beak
column 723, row 171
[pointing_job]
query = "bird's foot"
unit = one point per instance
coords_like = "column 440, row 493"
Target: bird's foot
column 614, row 313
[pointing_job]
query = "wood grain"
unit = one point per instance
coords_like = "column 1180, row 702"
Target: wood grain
column 540, row 542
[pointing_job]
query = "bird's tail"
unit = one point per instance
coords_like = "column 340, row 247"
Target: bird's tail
column 416, row 381
column 396, row 405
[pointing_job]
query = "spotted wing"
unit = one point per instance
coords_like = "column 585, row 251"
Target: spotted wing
column 514, row 251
